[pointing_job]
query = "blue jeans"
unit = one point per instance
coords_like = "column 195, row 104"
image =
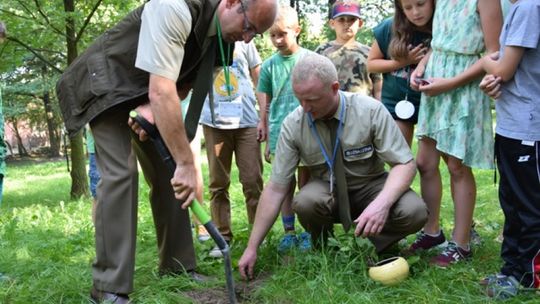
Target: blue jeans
column 93, row 173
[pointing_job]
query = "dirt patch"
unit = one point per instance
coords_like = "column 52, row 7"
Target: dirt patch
column 243, row 290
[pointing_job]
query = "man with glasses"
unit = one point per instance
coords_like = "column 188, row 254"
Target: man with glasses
column 148, row 61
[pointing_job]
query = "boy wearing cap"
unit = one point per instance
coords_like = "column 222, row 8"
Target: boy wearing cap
column 348, row 55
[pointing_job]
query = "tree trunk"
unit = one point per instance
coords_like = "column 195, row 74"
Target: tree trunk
column 20, row 146
column 79, row 179
column 10, row 148
column 52, row 127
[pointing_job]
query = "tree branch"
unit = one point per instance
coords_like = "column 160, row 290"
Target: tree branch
column 47, row 20
column 87, row 21
column 28, row 10
column 29, row 48
column 8, row 12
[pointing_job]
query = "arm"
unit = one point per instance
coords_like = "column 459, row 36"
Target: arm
column 195, row 146
column 419, row 71
column 506, row 66
column 267, row 212
column 491, row 20
column 491, row 85
column 263, row 122
column 371, row 221
column 262, row 127
column 377, row 89
column 167, row 114
column 377, row 64
column 160, row 52
column 261, row 100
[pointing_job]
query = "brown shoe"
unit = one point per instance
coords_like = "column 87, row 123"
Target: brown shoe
column 98, row 296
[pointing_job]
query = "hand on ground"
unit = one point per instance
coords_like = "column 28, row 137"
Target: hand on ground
column 247, row 263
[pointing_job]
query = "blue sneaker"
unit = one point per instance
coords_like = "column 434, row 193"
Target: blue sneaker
column 304, row 241
column 502, row 287
column 287, row 243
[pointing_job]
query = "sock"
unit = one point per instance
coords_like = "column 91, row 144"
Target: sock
column 433, row 235
column 466, row 248
column 288, row 222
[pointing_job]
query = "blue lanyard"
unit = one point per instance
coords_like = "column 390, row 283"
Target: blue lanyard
column 329, row 162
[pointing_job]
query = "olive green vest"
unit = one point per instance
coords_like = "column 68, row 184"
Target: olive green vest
column 105, row 74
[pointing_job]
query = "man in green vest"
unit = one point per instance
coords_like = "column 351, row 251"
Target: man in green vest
column 148, row 61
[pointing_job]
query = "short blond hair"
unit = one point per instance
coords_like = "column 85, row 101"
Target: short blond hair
column 288, row 16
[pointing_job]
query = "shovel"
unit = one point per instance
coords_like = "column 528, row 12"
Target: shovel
column 195, row 206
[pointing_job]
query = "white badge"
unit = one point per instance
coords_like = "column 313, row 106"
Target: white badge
column 404, row 109
column 231, row 109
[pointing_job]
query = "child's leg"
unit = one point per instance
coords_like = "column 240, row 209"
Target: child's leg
column 287, row 213
column 289, row 241
column 407, row 129
column 519, row 168
column 427, row 160
column 463, row 187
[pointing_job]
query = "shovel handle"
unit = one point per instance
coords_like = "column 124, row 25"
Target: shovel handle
column 164, row 153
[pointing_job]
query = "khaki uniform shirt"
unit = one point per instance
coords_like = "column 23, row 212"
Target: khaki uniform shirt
column 370, row 138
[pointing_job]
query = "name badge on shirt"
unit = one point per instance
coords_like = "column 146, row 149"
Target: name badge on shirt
column 232, row 109
column 529, row 143
column 358, row 151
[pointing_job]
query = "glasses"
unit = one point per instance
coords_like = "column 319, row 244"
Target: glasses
column 249, row 30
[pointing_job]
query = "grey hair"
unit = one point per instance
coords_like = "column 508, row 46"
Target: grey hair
column 317, row 66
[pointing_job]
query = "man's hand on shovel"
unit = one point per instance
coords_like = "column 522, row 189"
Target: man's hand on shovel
column 146, row 112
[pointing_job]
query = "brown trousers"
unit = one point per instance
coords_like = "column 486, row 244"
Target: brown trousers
column 220, row 146
column 318, row 212
column 116, row 213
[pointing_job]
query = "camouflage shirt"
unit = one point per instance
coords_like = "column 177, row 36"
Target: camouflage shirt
column 350, row 61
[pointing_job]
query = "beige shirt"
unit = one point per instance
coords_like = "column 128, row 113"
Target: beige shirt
column 370, row 138
column 165, row 27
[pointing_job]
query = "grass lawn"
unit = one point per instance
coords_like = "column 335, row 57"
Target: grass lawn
column 47, row 247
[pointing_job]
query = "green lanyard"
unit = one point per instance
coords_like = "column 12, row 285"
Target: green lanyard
column 226, row 70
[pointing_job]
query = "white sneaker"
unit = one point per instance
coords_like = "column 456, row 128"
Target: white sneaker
column 215, row 252
column 202, row 234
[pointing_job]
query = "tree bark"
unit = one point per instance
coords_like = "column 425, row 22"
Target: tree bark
column 79, row 179
column 52, row 126
column 20, row 146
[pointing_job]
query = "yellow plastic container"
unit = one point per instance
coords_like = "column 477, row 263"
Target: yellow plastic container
column 390, row 272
